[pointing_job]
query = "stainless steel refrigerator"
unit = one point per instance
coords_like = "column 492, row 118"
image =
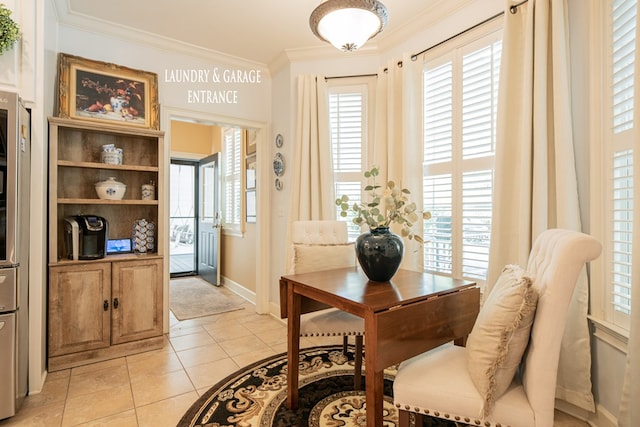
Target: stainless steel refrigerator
column 15, row 159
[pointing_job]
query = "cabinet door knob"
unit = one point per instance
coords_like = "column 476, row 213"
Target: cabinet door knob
column 105, row 305
column 115, row 303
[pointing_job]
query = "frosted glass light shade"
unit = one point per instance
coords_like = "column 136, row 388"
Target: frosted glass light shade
column 348, row 24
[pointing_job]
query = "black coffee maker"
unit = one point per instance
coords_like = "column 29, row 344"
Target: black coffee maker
column 85, row 236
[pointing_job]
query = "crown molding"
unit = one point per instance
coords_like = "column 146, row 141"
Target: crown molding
column 439, row 10
column 68, row 18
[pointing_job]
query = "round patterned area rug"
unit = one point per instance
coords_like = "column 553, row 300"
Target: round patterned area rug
column 256, row 395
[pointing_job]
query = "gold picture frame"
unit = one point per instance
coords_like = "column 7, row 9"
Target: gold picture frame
column 105, row 92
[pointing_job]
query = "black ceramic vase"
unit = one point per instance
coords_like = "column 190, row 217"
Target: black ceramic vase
column 379, row 252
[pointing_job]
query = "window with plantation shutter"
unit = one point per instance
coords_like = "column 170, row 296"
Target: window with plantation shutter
column 347, row 117
column 460, row 98
column 232, row 178
column 621, row 232
column 618, row 160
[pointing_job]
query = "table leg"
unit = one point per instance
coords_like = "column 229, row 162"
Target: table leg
column 293, row 347
column 374, row 393
column 374, row 375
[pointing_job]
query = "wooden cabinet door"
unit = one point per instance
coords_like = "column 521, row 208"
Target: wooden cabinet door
column 137, row 300
column 79, row 307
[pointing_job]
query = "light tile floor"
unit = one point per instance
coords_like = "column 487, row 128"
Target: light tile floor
column 156, row 388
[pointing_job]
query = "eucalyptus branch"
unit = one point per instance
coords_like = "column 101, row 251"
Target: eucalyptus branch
column 387, row 205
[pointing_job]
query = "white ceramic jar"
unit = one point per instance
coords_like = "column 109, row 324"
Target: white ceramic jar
column 110, row 189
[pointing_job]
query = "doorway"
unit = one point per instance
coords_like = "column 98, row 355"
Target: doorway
column 194, row 220
column 182, row 217
column 193, row 136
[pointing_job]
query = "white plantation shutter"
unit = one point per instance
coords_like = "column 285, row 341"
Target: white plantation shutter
column 619, row 161
column 622, row 227
column 623, row 44
column 438, row 114
column 232, row 178
column 345, row 116
column 460, row 99
column 438, row 252
column 479, row 100
column 476, row 222
column 347, row 108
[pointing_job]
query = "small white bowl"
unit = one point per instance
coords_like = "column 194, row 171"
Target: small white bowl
column 110, row 189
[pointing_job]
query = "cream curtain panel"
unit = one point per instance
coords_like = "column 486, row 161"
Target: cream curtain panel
column 629, row 409
column 397, row 148
column 312, row 195
column 535, row 186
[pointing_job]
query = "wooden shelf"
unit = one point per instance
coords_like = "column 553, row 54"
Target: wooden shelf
column 106, row 202
column 107, row 258
column 106, row 166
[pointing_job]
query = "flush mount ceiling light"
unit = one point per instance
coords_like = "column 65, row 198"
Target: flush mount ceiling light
column 348, row 24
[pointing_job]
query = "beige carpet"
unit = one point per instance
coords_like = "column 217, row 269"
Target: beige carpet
column 192, row 297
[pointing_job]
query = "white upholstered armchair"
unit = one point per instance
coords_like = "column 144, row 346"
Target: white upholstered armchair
column 476, row 384
column 323, row 245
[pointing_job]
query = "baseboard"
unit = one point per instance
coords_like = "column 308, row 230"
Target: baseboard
column 239, row 290
column 602, row 417
column 274, row 310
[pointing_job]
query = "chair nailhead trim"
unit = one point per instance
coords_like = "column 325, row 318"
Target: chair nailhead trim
column 333, row 334
column 467, row 420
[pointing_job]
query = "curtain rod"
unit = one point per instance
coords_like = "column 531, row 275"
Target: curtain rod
column 513, row 9
column 346, row 77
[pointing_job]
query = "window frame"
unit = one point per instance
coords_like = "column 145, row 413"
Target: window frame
column 235, row 227
column 366, row 86
column 454, row 50
column 609, row 326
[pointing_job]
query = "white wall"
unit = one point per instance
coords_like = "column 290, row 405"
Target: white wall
column 252, row 99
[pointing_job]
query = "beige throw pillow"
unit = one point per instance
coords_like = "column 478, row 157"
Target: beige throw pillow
column 309, row 258
column 500, row 334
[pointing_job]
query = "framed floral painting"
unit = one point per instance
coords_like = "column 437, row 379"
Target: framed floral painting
column 100, row 91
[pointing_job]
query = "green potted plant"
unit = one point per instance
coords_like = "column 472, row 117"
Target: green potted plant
column 9, row 30
column 379, row 251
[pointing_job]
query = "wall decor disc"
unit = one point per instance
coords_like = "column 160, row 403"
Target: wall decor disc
column 279, row 140
column 278, row 164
